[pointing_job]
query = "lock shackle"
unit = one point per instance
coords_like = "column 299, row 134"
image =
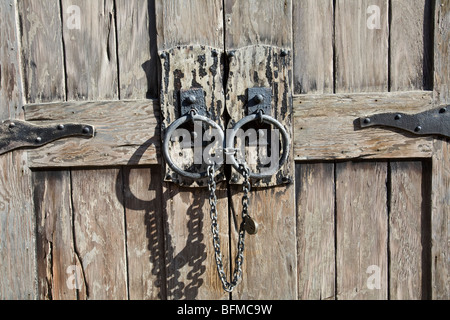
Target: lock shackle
column 169, row 132
column 264, row 119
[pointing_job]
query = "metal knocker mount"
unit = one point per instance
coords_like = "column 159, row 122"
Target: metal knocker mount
column 190, row 112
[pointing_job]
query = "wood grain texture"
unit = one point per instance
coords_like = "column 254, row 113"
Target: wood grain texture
column 258, row 22
column 408, row 232
column 42, row 49
column 137, row 52
column 55, row 249
column 329, row 132
column 127, row 132
column 409, row 56
column 144, row 233
column 315, row 198
column 97, row 195
column 192, row 22
column 90, row 51
column 361, row 228
column 313, row 33
column 440, row 223
column 361, row 56
column 17, row 221
column 99, row 232
column 268, row 272
column 190, row 266
column 409, row 210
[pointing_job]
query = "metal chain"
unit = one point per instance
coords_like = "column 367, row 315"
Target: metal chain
column 237, row 275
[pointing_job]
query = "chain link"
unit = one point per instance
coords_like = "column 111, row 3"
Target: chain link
column 237, row 275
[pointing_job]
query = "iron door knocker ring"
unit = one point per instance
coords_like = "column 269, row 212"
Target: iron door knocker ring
column 192, row 116
column 264, row 119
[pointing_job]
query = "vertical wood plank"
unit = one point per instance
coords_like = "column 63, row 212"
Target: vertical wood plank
column 361, row 227
column 145, row 238
column 258, row 22
column 361, row 52
column 55, row 250
column 44, row 81
column 99, row 232
column 42, row 50
column 97, row 195
column 313, row 33
column 409, row 43
column 137, row 56
column 409, row 70
column 189, row 253
column 90, row 51
column 440, row 225
column 408, row 231
column 315, row 189
column 315, row 199
column 269, row 270
column 17, row 221
column 137, row 51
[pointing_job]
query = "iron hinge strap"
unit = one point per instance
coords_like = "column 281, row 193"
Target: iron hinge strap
column 430, row 122
column 16, row 134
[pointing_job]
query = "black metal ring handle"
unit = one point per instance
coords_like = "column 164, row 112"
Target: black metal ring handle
column 170, row 130
column 265, row 119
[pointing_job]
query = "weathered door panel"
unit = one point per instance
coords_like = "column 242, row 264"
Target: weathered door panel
column 364, row 217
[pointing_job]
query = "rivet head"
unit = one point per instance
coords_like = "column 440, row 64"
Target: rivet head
column 60, row 127
column 234, row 180
column 231, row 54
column 398, row 117
column 259, row 98
column 418, row 128
column 163, row 55
column 12, row 125
column 284, row 53
column 38, row 140
column 443, row 110
column 366, row 120
column 191, row 99
column 86, row 130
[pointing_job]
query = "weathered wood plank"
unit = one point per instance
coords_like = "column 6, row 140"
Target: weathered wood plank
column 313, row 33
column 190, row 22
column 145, row 233
column 409, row 189
column 362, row 230
column 17, row 221
column 408, row 231
column 315, row 198
column 90, row 50
column 127, row 132
column 190, row 263
column 409, row 65
column 99, row 232
column 137, row 52
column 258, row 22
column 97, row 195
column 268, row 272
column 361, row 52
column 325, row 130
column 440, row 225
column 42, row 50
column 55, row 251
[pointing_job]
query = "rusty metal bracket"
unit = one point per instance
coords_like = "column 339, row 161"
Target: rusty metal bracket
column 259, row 99
column 16, row 134
column 431, row 122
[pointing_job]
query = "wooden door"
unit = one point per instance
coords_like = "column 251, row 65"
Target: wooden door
column 364, row 217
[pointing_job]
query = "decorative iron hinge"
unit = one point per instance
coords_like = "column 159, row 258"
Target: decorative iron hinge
column 431, row 122
column 16, row 134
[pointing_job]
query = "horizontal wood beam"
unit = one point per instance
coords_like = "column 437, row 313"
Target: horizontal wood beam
column 127, row 132
column 325, row 126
